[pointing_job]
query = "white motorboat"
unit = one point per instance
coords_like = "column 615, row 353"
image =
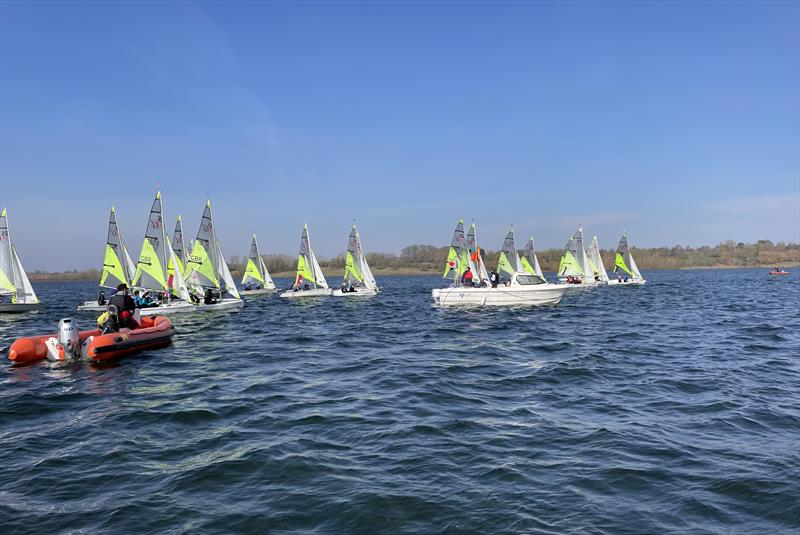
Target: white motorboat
column 521, row 289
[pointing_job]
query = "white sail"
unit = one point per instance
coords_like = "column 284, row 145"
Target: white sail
column 636, row 273
column 224, row 273
column 369, row 278
column 357, row 271
column 596, row 261
column 176, row 281
column 318, row 275
column 268, row 282
column 13, row 279
column 130, row 265
column 476, row 263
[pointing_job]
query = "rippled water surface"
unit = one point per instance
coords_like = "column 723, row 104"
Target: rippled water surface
column 674, row 407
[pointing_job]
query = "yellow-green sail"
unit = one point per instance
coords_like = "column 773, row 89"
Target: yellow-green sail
column 112, row 265
column 527, row 265
column 251, row 271
column 351, row 269
column 149, row 270
column 568, row 262
column 619, row 262
column 304, row 270
column 200, row 263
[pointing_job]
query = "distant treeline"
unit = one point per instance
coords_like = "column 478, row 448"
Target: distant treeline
column 430, row 259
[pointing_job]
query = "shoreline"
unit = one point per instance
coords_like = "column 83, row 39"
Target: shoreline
column 410, row 272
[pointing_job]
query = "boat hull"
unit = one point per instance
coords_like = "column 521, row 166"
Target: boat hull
column 543, row 294
column 614, row 282
column 18, row 308
column 154, row 332
column 362, row 292
column 262, row 291
column 317, row 292
column 778, row 272
column 222, row 304
column 172, row 308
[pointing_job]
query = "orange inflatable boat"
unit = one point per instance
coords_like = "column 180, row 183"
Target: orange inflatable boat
column 154, row 332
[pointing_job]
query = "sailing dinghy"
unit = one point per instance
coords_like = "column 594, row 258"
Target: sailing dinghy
column 309, row 281
column 519, row 288
column 118, row 267
column 206, row 270
column 530, row 262
column 624, row 263
column 178, row 262
column 358, row 280
column 574, row 268
column 13, row 279
column 256, row 279
column 596, row 262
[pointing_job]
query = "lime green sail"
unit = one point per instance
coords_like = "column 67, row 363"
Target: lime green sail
column 458, row 256
column 351, row 269
column 304, row 270
column 619, row 262
column 112, row 266
column 200, row 267
column 177, row 259
column 151, row 268
column 568, row 263
column 252, row 271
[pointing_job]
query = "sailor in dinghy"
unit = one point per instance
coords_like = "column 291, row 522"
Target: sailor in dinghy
column 256, row 279
column 309, row 280
column 13, row 279
column 625, row 266
column 358, row 280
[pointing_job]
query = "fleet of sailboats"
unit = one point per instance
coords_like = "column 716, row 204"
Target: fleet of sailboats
column 202, row 280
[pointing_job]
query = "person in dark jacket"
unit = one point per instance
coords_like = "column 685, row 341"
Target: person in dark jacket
column 125, row 307
column 494, row 278
column 101, row 298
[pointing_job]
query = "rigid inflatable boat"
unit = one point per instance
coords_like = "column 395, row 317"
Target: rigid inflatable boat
column 154, row 332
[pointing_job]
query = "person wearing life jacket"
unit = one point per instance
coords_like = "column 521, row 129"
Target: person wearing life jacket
column 120, row 310
column 494, row 278
column 101, row 298
column 466, row 278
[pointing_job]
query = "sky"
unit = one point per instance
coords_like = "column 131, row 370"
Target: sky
column 678, row 121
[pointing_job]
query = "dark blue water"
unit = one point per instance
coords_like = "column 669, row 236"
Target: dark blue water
column 671, row 408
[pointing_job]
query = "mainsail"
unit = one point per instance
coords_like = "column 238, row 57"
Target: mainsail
column 116, row 262
column 356, row 269
column 13, row 279
column 529, row 260
column 256, row 270
column 596, row 261
column 458, row 255
column 179, row 251
column 151, row 270
column 509, row 262
column 623, row 260
column 476, row 262
column 575, row 262
column 308, row 270
column 206, row 266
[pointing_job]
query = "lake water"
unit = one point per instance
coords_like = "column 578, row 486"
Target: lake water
column 670, row 408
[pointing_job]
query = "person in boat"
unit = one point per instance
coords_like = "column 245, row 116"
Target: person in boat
column 494, row 278
column 298, row 282
column 352, row 288
column 570, row 279
column 120, row 310
column 466, row 278
column 209, row 298
column 306, row 287
column 619, row 278
column 101, row 298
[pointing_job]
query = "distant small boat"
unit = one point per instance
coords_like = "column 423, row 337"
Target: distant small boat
column 13, row 280
column 256, row 278
column 624, row 263
column 574, row 268
column 779, row 271
column 358, row 280
column 309, row 280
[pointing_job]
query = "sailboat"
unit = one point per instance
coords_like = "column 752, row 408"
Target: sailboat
column 476, row 263
column 206, row 269
column 529, row 261
column 151, row 269
column 179, row 260
column 118, row 267
column 309, row 281
column 520, row 287
column 457, row 256
column 256, row 279
column 624, row 263
column 13, row 279
column 358, row 280
column 596, row 262
column 574, row 268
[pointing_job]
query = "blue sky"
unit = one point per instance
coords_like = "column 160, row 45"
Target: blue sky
column 679, row 121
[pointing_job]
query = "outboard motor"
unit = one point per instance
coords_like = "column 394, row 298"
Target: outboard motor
column 69, row 337
column 68, row 343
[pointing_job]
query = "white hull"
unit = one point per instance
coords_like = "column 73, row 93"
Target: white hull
column 262, row 291
column 175, row 307
column 318, row 292
column 540, row 294
column 360, row 292
column 629, row 282
column 15, row 308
